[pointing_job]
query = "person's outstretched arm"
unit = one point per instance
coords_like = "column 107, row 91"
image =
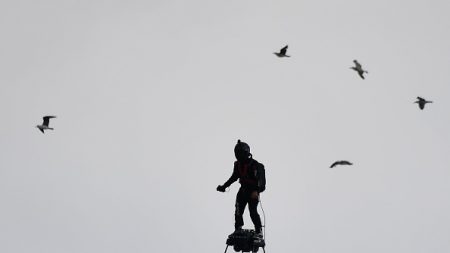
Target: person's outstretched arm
column 232, row 179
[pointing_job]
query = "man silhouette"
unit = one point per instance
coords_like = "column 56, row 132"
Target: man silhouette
column 251, row 175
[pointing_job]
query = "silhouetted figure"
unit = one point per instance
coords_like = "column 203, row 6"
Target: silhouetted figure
column 44, row 125
column 359, row 69
column 422, row 102
column 341, row 163
column 251, row 175
column 282, row 52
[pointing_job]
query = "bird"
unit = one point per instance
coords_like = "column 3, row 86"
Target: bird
column 44, row 125
column 341, row 163
column 359, row 69
column 282, row 52
column 422, row 102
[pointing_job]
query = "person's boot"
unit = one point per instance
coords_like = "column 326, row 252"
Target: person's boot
column 237, row 230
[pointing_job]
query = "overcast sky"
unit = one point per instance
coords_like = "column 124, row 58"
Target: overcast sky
column 151, row 97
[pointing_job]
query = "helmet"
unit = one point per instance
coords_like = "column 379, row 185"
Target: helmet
column 242, row 151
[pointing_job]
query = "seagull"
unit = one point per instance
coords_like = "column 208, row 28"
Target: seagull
column 341, row 163
column 282, row 52
column 359, row 69
column 422, row 102
column 44, row 125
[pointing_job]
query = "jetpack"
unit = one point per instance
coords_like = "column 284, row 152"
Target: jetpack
column 245, row 240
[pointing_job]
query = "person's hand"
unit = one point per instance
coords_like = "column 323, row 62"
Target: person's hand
column 221, row 188
column 254, row 195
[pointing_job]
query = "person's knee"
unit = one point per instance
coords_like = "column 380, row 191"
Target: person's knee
column 254, row 213
column 253, row 206
column 238, row 211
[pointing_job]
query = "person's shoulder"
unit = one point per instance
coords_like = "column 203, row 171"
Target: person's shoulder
column 260, row 165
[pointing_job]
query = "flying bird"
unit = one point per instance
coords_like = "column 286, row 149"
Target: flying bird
column 44, row 125
column 422, row 102
column 359, row 69
column 341, row 163
column 282, row 52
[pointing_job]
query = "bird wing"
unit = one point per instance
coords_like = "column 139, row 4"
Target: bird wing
column 419, row 98
column 283, row 50
column 341, row 163
column 357, row 65
column 361, row 74
column 47, row 120
column 346, row 163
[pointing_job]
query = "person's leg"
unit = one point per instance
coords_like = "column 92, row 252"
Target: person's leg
column 253, row 208
column 241, row 202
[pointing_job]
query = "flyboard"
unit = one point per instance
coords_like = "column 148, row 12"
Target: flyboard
column 245, row 240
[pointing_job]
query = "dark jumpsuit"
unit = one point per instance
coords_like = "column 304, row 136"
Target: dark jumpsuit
column 251, row 175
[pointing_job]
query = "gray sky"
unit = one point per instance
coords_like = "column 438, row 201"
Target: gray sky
column 151, row 97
